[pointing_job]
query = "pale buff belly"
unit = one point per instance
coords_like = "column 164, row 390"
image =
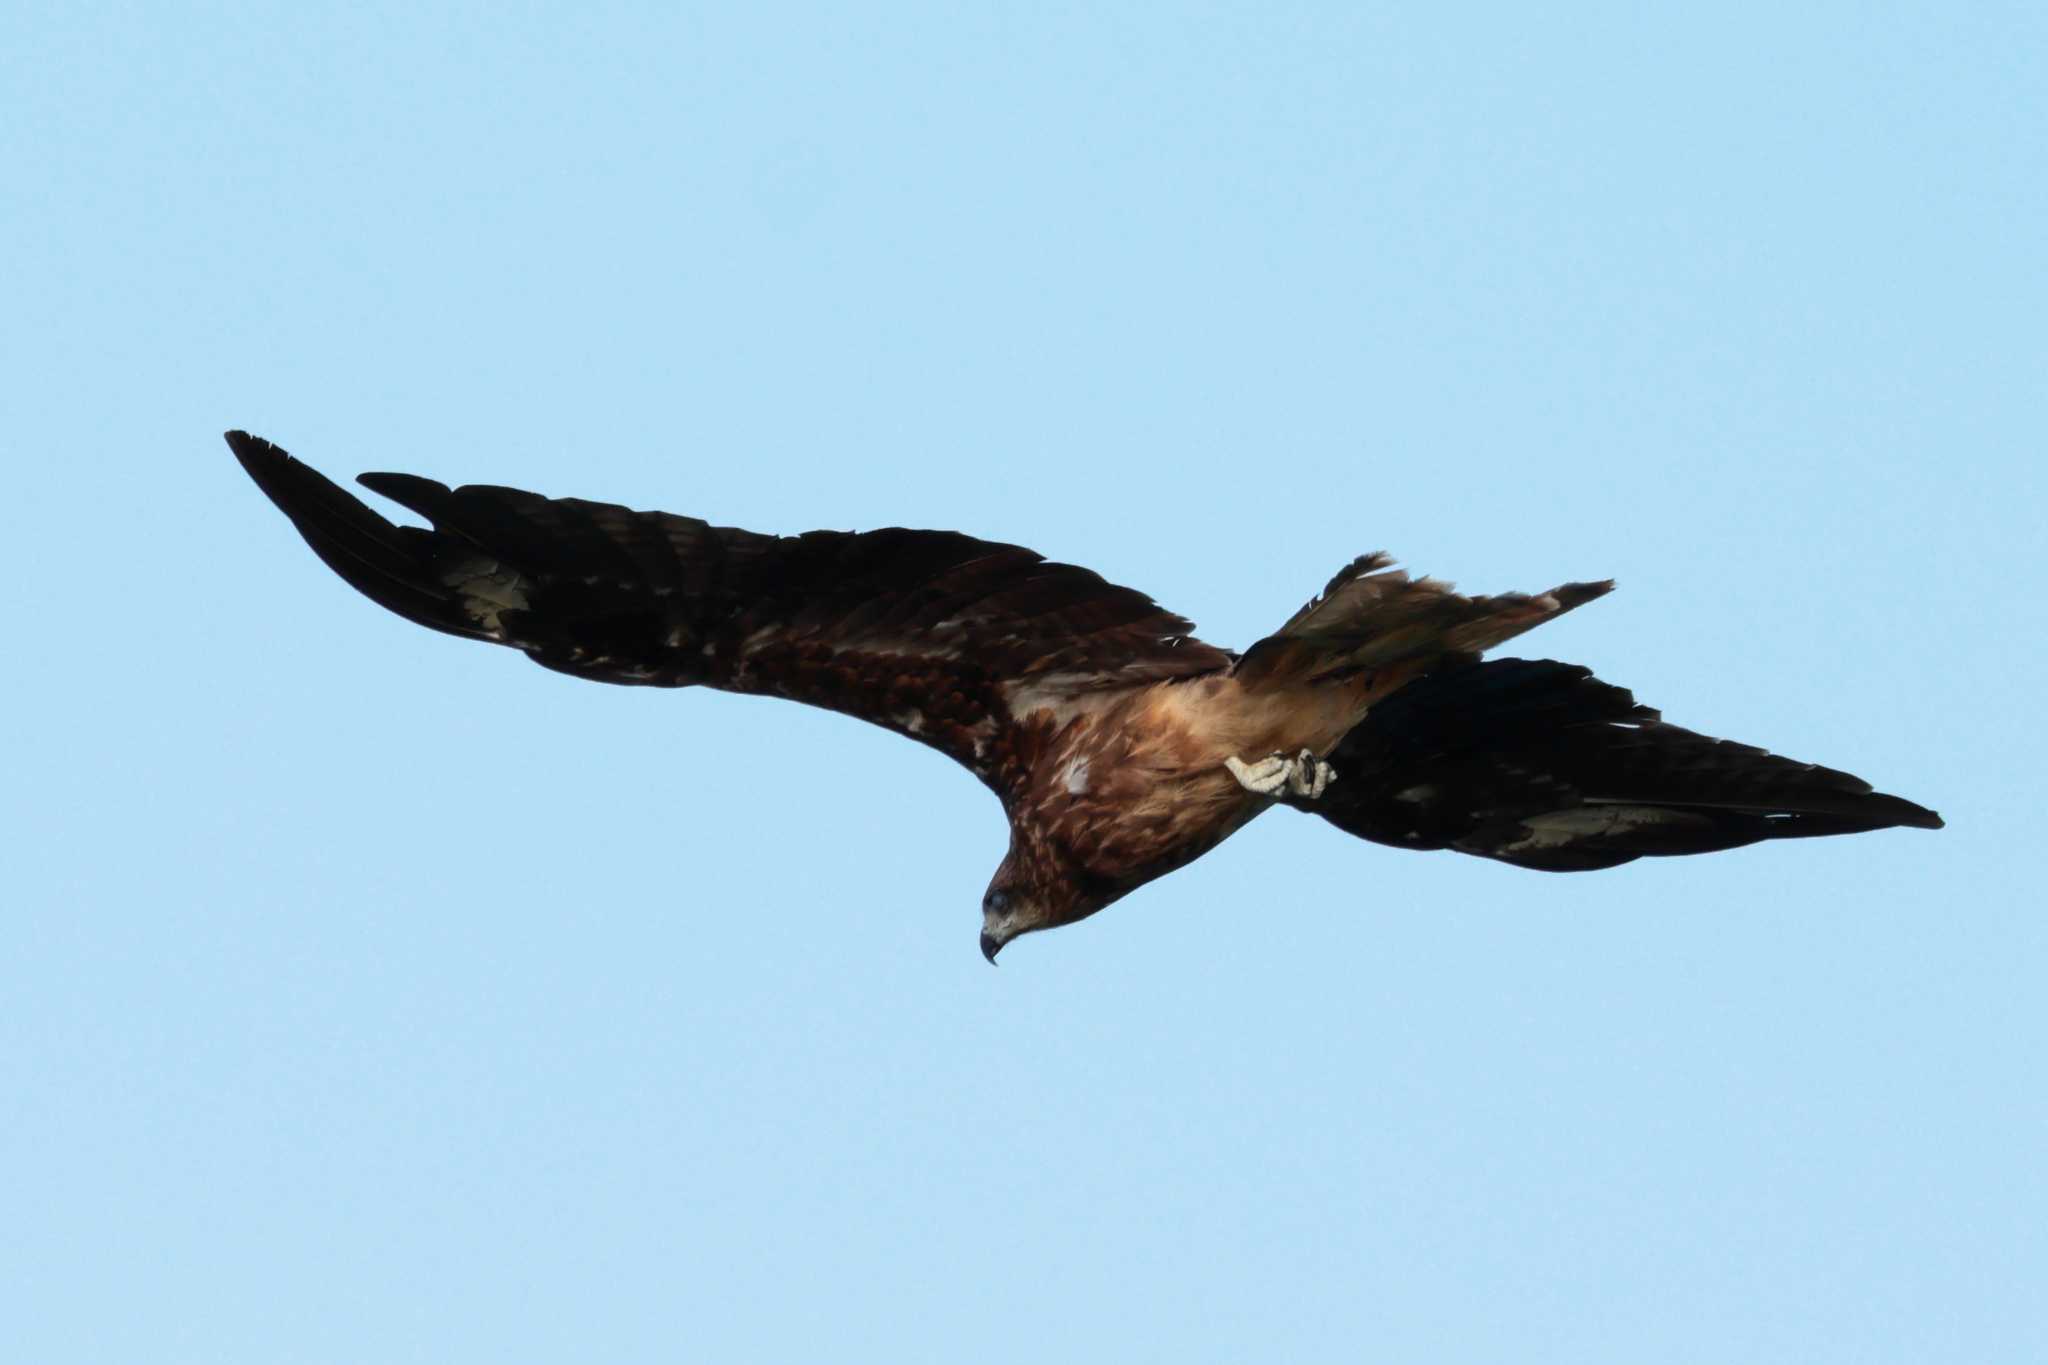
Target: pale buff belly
column 1136, row 786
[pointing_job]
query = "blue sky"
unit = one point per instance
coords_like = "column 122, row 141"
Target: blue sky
column 369, row 995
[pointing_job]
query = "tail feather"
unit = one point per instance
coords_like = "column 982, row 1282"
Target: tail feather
column 1372, row 616
column 1540, row 764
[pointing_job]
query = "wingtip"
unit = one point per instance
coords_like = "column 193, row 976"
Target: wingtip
column 251, row 450
column 1897, row 811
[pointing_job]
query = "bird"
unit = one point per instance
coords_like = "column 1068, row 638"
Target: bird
column 1120, row 745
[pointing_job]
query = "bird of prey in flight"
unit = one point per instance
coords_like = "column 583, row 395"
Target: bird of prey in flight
column 1121, row 746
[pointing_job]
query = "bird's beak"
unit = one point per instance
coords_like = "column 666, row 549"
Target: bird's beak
column 990, row 946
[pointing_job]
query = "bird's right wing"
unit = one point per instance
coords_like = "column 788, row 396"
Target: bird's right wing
column 1542, row 765
column 927, row 633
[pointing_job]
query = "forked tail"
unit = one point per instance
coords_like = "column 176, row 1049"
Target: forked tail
column 1374, row 617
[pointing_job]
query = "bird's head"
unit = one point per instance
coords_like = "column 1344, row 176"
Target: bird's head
column 1005, row 913
column 1029, row 893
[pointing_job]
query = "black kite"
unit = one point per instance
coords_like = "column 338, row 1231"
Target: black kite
column 1121, row 746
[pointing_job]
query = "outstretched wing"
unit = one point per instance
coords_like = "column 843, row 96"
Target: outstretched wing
column 1542, row 765
column 927, row 633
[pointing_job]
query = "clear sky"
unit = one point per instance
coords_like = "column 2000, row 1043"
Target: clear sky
column 368, row 995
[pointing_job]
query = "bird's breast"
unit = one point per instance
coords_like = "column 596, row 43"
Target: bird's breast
column 1130, row 786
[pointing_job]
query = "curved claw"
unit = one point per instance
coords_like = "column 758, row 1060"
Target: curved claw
column 1303, row 775
column 1310, row 776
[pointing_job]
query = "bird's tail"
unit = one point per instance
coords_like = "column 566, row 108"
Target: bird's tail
column 403, row 568
column 1373, row 617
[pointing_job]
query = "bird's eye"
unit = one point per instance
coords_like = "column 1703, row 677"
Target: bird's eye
column 995, row 903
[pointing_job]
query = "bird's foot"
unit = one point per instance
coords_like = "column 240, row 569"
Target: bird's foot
column 1303, row 775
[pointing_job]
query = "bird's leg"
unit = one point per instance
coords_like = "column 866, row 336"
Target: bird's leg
column 1264, row 777
column 1303, row 775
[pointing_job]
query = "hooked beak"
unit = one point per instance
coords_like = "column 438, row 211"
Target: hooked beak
column 990, row 946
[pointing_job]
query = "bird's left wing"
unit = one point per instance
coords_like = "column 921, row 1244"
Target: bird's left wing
column 1542, row 765
column 927, row 633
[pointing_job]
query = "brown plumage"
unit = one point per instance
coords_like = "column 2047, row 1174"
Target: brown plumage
column 1106, row 729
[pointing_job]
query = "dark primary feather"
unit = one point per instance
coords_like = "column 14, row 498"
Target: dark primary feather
column 918, row 631
column 1542, row 765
